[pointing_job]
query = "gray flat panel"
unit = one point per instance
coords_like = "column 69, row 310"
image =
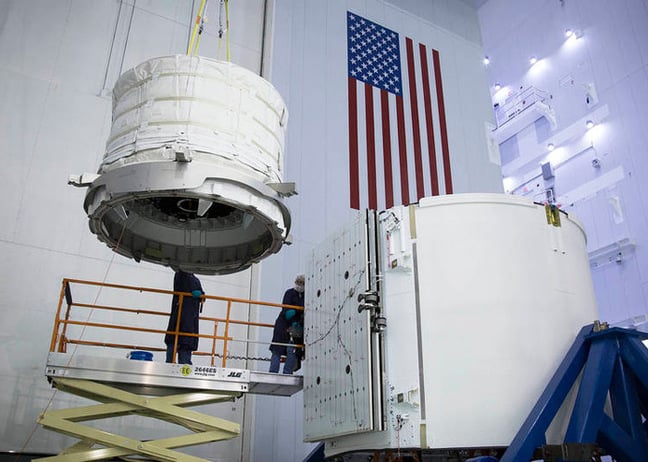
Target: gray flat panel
column 155, row 378
column 337, row 381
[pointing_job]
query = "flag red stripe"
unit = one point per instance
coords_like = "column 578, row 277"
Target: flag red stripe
column 386, row 143
column 354, row 187
column 447, row 173
column 402, row 150
column 371, row 147
column 416, row 131
column 427, row 99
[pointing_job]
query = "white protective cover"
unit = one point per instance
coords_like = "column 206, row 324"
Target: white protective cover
column 502, row 296
column 219, row 110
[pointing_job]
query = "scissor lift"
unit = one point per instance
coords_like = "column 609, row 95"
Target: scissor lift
column 151, row 389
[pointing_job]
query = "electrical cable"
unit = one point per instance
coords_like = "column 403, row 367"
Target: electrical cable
column 336, row 325
column 339, row 311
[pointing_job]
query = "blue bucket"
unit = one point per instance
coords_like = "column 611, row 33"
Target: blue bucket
column 140, row 355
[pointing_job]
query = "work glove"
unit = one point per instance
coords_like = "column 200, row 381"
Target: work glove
column 296, row 330
column 196, row 293
column 290, row 314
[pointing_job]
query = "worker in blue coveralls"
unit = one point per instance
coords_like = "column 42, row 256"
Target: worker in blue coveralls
column 189, row 317
column 289, row 329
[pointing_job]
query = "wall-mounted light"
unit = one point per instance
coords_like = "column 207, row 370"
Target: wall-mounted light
column 573, row 34
column 533, row 60
column 498, row 87
column 589, row 124
column 509, row 183
column 551, row 146
column 486, row 61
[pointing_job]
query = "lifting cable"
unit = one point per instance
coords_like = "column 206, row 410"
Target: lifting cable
column 197, row 30
column 227, row 30
column 201, row 29
column 223, row 28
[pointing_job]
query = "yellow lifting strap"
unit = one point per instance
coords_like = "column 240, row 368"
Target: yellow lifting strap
column 194, row 32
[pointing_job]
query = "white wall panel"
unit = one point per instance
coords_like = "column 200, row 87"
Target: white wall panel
column 53, row 61
column 88, row 38
column 336, row 127
column 310, row 70
column 171, row 38
column 63, row 137
column 611, row 54
column 245, row 16
column 22, row 108
column 180, row 12
column 29, row 42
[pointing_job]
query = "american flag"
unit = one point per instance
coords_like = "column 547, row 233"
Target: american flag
column 395, row 125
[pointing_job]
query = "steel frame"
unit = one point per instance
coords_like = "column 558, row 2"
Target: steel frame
column 117, row 402
column 614, row 363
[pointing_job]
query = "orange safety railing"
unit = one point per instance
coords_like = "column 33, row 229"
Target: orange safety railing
column 69, row 329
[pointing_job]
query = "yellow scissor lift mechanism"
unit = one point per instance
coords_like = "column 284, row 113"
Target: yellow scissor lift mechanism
column 152, row 389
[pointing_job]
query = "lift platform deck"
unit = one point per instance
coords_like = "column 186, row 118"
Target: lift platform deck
column 156, row 378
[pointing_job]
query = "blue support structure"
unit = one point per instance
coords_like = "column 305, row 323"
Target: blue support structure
column 614, row 363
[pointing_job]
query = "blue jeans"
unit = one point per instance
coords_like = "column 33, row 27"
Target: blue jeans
column 184, row 355
column 289, row 365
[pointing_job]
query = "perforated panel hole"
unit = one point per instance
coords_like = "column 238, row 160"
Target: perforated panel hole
column 348, row 369
column 319, row 292
column 346, row 275
column 318, row 380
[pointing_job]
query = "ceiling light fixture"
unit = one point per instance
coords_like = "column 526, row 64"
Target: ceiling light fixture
column 533, row 60
column 551, row 146
column 498, row 87
column 568, row 33
column 589, row 124
column 486, row 60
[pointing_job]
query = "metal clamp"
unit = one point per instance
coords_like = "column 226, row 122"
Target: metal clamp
column 370, row 301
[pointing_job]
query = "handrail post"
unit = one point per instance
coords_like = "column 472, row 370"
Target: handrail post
column 63, row 339
column 57, row 319
column 177, row 327
column 213, row 352
column 226, row 336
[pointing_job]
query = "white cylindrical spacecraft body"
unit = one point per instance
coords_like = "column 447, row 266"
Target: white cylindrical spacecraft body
column 192, row 176
column 482, row 295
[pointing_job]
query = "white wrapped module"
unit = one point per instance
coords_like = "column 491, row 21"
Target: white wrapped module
column 192, row 175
